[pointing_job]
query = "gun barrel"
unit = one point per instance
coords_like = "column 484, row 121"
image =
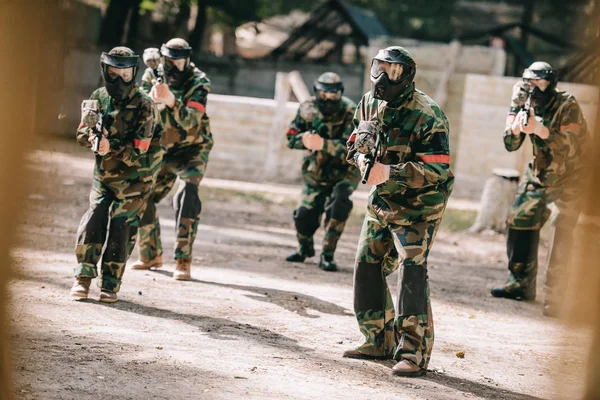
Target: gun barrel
column 368, row 167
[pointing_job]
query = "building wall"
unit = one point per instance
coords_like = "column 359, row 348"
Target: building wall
column 256, row 78
column 241, row 127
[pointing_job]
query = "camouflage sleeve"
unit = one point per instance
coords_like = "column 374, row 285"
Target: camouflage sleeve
column 130, row 152
column 359, row 115
column 294, row 133
column 338, row 147
column 147, row 80
column 512, row 142
column 572, row 136
column 189, row 115
column 83, row 132
column 433, row 153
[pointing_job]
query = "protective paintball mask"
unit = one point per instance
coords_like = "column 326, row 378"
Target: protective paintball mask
column 119, row 74
column 390, row 79
column 543, row 80
column 177, row 65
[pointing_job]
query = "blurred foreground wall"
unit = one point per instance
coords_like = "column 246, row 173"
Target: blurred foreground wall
column 25, row 27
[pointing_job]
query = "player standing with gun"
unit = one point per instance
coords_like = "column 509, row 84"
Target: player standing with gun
column 120, row 184
column 322, row 126
column 405, row 135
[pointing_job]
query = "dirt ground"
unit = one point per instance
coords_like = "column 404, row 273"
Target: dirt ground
column 251, row 326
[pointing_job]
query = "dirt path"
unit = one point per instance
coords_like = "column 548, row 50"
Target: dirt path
column 250, row 325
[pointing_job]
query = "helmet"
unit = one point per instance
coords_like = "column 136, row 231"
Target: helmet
column 392, row 71
column 120, row 79
column 542, row 92
column 328, row 90
column 176, row 72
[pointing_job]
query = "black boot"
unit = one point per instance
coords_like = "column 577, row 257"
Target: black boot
column 295, row 257
column 522, row 248
column 327, row 263
column 503, row 293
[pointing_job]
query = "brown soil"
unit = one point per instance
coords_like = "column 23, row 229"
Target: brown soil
column 250, row 325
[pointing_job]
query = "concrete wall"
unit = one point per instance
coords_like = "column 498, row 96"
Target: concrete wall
column 480, row 148
column 240, row 127
column 256, row 78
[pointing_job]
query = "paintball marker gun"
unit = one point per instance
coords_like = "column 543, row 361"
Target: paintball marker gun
column 366, row 132
column 152, row 61
column 371, row 159
column 523, row 100
column 91, row 117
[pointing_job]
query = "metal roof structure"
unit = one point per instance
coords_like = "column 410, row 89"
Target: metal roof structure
column 330, row 27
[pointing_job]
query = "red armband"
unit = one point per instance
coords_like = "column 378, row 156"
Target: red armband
column 141, row 144
column 198, row 106
column 352, row 138
column 571, row 127
column 436, row 158
column 293, row 132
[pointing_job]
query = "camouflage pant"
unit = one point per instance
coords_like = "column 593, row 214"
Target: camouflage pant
column 334, row 201
column 189, row 164
column 529, row 213
column 409, row 335
column 123, row 203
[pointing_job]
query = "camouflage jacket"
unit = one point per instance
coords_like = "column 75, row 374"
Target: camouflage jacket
column 187, row 123
column 415, row 136
column 558, row 159
column 329, row 164
column 131, row 126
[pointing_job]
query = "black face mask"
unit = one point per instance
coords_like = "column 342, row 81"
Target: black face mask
column 540, row 99
column 175, row 77
column 118, row 89
column 328, row 107
column 384, row 89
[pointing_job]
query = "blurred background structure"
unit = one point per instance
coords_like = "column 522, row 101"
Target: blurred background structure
column 465, row 50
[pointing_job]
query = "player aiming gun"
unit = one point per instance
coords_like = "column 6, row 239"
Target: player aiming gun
column 91, row 117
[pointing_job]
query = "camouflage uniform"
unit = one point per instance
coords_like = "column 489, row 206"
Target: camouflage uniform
column 403, row 216
column 553, row 176
column 122, row 183
column 188, row 141
column 328, row 178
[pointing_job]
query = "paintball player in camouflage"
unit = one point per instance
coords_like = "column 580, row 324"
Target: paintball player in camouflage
column 188, row 141
column 559, row 135
column 122, row 178
column 411, row 181
column 322, row 126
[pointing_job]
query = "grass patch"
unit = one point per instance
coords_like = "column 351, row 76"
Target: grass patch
column 457, row 220
column 218, row 194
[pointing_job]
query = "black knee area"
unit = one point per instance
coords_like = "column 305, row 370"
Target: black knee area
column 306, row 221
column 412, row 299
column 148, row 217
column 339, row 204
column 94, row 223
column 522, row 245
column 369, row 287
column 117, row 246
column 187, row 202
